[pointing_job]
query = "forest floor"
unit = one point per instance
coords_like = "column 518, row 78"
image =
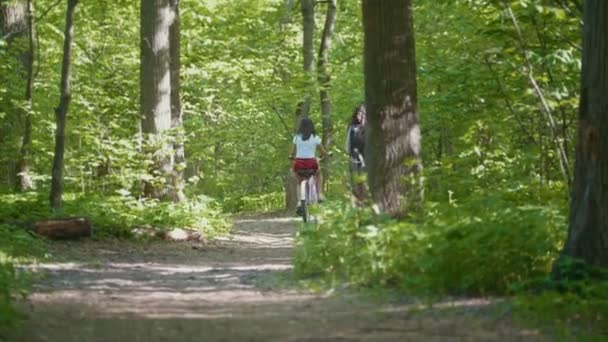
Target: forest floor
column 234, row 289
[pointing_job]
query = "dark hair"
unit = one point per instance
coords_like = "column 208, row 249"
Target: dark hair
column 360, row 109
column 306, row 128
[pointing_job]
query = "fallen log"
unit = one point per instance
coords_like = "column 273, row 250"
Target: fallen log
column 68, row 228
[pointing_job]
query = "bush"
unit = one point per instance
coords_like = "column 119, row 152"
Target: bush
column 15, row 246
column 116, row 215
column 255, row 203
column 482, row 247
column 577, row 308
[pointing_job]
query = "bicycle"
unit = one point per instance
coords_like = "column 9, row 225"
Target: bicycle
column 308, row 193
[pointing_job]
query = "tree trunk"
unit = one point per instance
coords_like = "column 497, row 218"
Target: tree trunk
column 308, row 14
column 177, row 194
column 588, row 228
column 291, row 182
column 393, row 134
column 63, row 228
column 13, row 19
column 324, row 84
column 155, row 85
column 286, row 19
column 24, row 180
column 62, row 110
column 559, row 143
column 16, row 22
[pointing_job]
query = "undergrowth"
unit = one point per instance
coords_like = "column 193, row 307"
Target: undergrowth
column 483, row 247
column 16, row 246
column 496, row 242
column 115, row 216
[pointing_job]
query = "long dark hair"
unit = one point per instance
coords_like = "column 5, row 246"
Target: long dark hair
column 359, row 111
column 306, row 128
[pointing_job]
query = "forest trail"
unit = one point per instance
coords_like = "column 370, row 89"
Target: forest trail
column 224, row 291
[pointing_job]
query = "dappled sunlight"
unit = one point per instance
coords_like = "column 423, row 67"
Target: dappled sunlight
column 231, row 285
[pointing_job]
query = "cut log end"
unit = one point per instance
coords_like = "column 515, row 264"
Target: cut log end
column 69, row 228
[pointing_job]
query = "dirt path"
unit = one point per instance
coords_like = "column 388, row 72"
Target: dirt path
column 118, row 291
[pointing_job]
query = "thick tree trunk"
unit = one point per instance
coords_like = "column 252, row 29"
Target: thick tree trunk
column 393, row 134
column 177, row 193
column 308, row 15
column 588, row 228
column 324, row 84
column 62, row 110
column 13, row 19
column 155, row 84
column 16, row 22
column 24, row 180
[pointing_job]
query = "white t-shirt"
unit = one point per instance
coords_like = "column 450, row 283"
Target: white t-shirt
column 305, row 149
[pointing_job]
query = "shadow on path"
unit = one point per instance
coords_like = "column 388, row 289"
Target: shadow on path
column 120, row 291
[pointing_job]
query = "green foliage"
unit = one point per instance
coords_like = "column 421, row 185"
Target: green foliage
column 482, row 246
column 573, row 304
column 569, row 315
column 255, row 204
column 117, row 215
column 15, row 246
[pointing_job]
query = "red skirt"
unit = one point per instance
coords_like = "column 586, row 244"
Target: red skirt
column 304, row 164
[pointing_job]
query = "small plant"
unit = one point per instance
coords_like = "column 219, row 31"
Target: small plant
column 576, row 302
column 15, row 246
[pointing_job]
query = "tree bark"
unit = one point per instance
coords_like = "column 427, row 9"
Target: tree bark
column 13, row 19
column 307, row 9
column 177, row 193
column 324, row 84
column 393, row 133
column 24, row 181
column 588, row 222
column 308, row 15
column 16, row 21
column 62, row 110
column 291, row 181
column 63, row 228
column 155, row 85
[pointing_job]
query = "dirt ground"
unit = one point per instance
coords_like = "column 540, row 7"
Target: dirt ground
column 224, row 291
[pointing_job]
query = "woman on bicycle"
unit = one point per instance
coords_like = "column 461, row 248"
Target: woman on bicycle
column 306, row 143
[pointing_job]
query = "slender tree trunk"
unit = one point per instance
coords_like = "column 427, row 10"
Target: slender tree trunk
column 564, row 163
column 324, row 84
column 393, row 134
column 62, row 110
column 176, row 107
column 291, row 182
column 308, row 14
column 155, row 84
column 24, row 180
column 289, row 5
column 588, row 228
